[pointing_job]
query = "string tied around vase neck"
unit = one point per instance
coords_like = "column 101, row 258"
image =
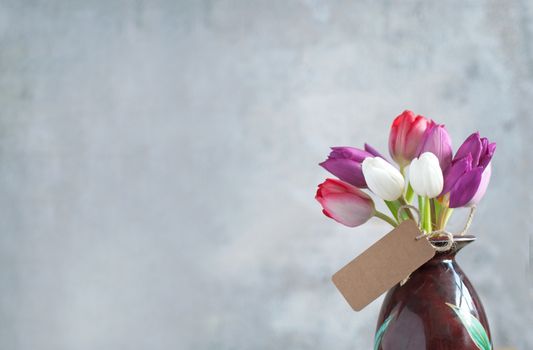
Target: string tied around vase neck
column 442, row 232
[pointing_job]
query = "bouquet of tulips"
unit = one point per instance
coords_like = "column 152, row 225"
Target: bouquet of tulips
column 425, row 167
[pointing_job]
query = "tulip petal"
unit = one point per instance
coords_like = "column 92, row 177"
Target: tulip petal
column 344, row 203
column 455, row 171
column 437, row 141
column 347, row 209
column 397, row 136
column 484, row 145
column 406, row 133
column 485, row 179
column 347, row 170
column 383, row 179
column 415, row 134
column 345, row 163
column 473, row 146
column 349, row 153
column 373, row 151
column 491, row 149
column 425, row 175
column 486, row 157
column 465, row 188
column 331, row 186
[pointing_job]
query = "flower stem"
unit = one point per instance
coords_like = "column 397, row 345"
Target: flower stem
column 409, row 194
column 438, row 213
column 393, row 207
column 427, row 215
column 421, row 212
column 385, row 217
column 447, row 215
column 433, row 213
column 406, row 211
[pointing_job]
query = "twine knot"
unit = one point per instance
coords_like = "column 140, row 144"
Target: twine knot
column 450, row 236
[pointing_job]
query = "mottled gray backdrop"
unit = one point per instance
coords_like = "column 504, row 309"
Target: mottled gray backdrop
column 158, row 162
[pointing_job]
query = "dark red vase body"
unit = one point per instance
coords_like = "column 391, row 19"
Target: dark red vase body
column 437, row 308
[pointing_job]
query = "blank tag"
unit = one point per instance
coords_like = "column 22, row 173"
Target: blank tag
column 383, row 265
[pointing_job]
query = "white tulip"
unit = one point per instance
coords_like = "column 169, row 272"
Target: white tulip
column 425, row 175
column 383, row 179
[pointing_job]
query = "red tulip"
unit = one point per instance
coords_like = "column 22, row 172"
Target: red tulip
column 406, row 134
column 344, row 203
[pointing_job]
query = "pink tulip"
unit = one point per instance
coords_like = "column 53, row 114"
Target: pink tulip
column 437, row 141
column 406, row 134
column 344, row 203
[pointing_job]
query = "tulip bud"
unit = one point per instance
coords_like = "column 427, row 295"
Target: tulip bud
column 425, row 175
column 467, row 178
column 437, row 141
column 383, row 179
column 344, row 203
column 406, row 134
column 345, row 163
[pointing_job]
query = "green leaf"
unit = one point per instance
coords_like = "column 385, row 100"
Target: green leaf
column 474, row 328
column 381, row 331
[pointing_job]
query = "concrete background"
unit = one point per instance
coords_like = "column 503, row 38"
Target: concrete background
column 158, row 162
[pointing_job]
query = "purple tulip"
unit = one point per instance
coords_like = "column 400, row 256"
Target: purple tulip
column 345, row 163
column 467, row 178
column 437, row 141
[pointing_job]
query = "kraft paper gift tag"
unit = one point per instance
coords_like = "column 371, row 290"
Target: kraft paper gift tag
column 383, row 265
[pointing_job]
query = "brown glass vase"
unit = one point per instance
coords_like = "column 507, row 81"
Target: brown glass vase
column 437, row 308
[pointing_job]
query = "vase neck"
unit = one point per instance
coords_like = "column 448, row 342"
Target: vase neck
column 459, row 243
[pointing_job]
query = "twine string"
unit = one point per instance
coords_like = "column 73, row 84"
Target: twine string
column 439, row 248
column 468, row 221
column 449, row 235
column 409, row 206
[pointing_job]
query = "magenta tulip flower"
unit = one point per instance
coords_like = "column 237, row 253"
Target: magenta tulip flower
column 345, row 163
column 467, row 178
column 344, row 203
column 406, row 134
column 437, row 141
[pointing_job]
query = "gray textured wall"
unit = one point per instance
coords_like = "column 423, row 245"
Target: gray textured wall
column 158, row 163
